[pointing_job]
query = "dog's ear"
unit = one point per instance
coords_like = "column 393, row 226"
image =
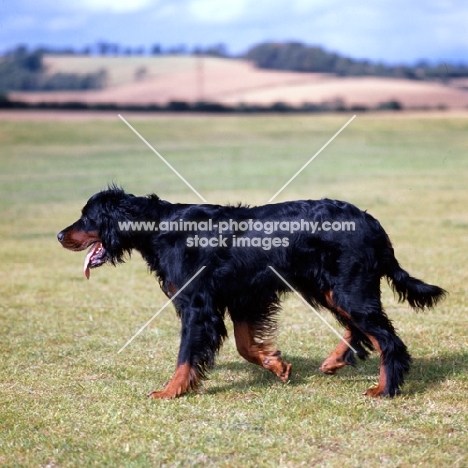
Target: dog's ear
column 119, row 205
column 117, row 208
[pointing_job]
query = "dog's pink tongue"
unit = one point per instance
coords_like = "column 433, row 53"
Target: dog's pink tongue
column 88, row 258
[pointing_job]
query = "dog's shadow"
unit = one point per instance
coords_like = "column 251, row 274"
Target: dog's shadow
column 425, row 373
column 431, row 372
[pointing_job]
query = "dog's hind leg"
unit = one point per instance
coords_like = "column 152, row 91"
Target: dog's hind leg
column 353, row 339
column 260, row 353
column 374, row 328
column 394, row 360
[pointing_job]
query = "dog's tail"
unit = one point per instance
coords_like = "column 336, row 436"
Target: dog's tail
column 418, row 294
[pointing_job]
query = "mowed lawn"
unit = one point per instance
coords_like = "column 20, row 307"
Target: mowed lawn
column 68, row 399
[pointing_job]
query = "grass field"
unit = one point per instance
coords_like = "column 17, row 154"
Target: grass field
column 68, row 399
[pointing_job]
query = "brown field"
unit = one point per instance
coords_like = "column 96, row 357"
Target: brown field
column 34, row 115
column 159, row 80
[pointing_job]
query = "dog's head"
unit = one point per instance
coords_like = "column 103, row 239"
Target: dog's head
column 98, row 229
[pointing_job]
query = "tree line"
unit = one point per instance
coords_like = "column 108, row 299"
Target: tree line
column 113, row 49
column 206, row 107
column 295, row 56
column 21, row 70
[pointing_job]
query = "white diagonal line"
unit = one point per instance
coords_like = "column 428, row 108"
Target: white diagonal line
column 312, row 309
column 162, row 159
column 312, row 158
column 161, row 309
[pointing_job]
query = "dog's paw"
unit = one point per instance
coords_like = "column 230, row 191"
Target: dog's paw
column 275, row 364
column 286, row 374
column 380, row 391
column 163, row 395
column 331, row 366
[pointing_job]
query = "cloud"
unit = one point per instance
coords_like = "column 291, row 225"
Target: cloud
column 19, row 22
column 65, row 23
column 215, row 11
column 306, row 6
column 391, row 30
column 114, row 6
column 51, row 7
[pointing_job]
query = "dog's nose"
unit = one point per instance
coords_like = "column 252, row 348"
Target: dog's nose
column 60, row 236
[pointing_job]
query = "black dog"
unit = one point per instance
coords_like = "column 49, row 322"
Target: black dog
column 329, row 251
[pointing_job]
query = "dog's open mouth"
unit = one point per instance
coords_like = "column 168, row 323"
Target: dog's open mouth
column 97, row 256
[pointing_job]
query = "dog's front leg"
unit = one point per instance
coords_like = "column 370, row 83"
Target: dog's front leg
column 261, row 353
column 185, row 378
column 203, row 332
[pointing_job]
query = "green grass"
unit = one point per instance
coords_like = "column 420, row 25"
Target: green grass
column 68, row 398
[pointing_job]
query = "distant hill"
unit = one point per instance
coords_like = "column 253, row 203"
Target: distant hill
column 143, row 80
column 295, row 56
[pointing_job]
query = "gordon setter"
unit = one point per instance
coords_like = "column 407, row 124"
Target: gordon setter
column 329, row 251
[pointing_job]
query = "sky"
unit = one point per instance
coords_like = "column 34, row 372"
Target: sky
column 392, row 31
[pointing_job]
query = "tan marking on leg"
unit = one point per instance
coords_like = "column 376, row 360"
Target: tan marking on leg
column 170, row 289
column 380, row 388
column 331, row 304
column 260, row 353
column 335, row 360
column 185, row 378
column 329, row 299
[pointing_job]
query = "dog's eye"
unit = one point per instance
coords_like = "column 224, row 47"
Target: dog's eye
column 85, row 219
